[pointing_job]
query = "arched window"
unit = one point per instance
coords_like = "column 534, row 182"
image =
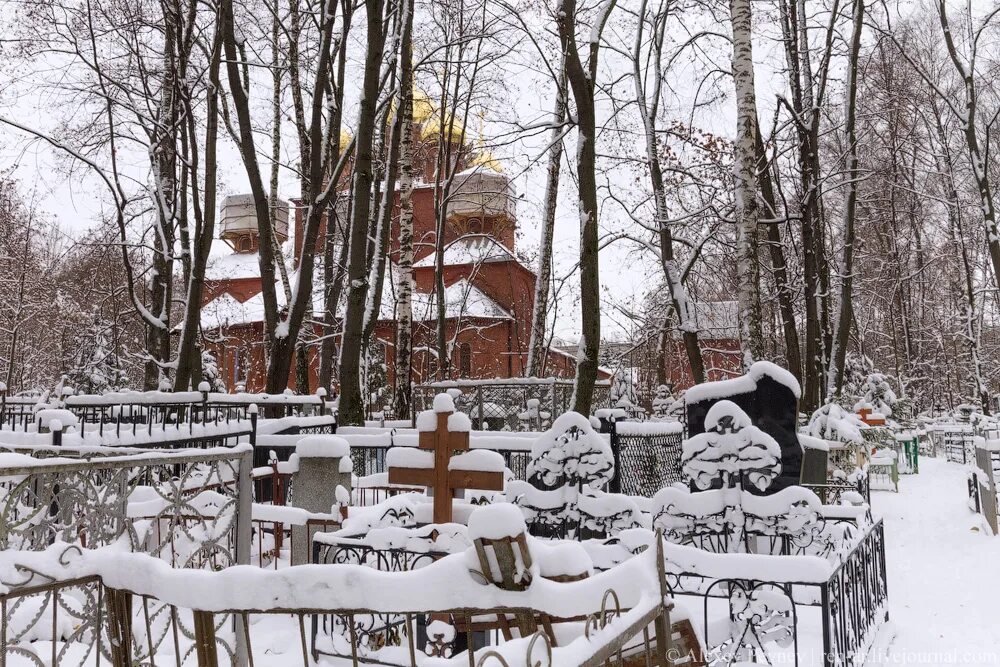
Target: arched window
column 465, row 360
column 245, row 244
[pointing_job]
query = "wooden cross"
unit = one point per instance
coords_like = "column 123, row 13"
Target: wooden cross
column 442, row 481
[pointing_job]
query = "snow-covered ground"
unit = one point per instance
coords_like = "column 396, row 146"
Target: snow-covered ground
column 944, row 573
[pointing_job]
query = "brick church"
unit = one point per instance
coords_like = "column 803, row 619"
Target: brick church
column 489, row 292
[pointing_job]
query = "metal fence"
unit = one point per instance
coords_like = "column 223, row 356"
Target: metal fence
column 959, row 446
column 645, row 462
column 769, row 618
column 529, row 404
column 189, row 509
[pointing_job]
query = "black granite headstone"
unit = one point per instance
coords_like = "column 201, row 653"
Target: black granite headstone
column 772, row 407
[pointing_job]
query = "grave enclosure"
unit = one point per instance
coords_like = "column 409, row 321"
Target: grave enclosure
column 544, row 563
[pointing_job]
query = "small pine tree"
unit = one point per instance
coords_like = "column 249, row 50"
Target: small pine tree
column 97, row 366
column 210, row 372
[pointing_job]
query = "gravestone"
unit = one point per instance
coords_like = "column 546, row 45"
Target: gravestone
column 769, row 395
column 323, row 466
column 443, row 461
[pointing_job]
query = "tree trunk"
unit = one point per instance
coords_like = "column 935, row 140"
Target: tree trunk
column 189, row 367
column 351, row 403
column 536, row 345
column 779, row 270
column 747, row 213
column 687, row 322
column 581, row 79
column 403, row 376
column 838, row 357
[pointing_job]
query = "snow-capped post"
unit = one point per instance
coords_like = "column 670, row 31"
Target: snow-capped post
column 204, row 387
column 442, row 460
column 56, row 428
column 252, row 412
column 321, row 392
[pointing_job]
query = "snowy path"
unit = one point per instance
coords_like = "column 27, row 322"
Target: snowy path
column 944, row 577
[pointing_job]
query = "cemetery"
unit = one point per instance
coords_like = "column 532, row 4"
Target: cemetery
column 251, row 529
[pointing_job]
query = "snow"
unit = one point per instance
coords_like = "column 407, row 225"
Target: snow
column 494, row 522
column 443, row 402
column 426, row 421
column 50, row 417
column 943, row 591
column 322, row 446
column 649, row 428
column 409, row 457
column 477, row 459
column 832, row 422
column 472, row 249
column 561, row 558
column 809, row 442
column 744, row 384
column 459, row 422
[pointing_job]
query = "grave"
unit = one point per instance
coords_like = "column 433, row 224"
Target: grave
column 769, row 395
column 442, row 460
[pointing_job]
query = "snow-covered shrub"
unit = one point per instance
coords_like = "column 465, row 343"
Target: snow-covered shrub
column 832, row 422
column 97, row 366
column 665, row 406
column 622, row 391
column 878, row 394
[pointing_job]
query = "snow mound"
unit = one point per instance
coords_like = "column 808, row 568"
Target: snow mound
column 743, row 385
column 322, row 446
column 444, row 403
column 497, row 521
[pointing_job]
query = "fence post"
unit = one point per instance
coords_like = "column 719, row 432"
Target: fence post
column 479, row 397
column 119, row 626
column 615, row 485
column 204, row 639
column 321, row 392
column 252, row 411
column 244, row 536
column 204, row 387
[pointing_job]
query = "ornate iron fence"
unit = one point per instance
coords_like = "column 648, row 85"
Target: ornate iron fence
column 770, row 618
column 528, row 404
column 189, row 508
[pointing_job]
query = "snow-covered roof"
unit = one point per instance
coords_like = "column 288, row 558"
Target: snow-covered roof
column 225, row 264
column 462, row 299
column 471, row 249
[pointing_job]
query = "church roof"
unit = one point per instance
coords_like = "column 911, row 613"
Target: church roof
column 233, row 266
column 471, row 249
column 462, row 300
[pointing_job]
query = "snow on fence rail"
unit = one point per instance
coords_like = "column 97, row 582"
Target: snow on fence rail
column 154, row 611
column 509, row 404
column 157, row 407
